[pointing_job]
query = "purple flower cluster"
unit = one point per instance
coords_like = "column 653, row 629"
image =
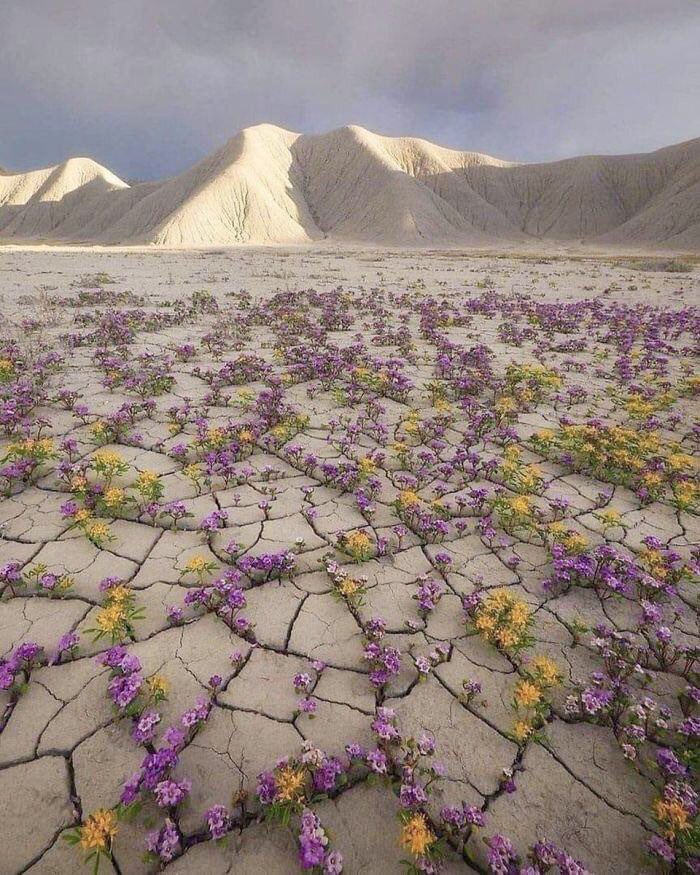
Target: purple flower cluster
column 164, row 843
column 268, row 566
column 384, row 661
column 218, row 821
column 225, row 598
column 21, row 661
column 126, row 678
column 428, row 595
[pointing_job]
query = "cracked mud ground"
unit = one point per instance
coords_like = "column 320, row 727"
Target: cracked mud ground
column 308, row 395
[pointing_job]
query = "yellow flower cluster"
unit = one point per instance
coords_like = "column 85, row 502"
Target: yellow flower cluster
column 158, row 685
column 108, row 459
column 114, row 497
column 99, row 430
column 99, row 830
column 199, row 566
column 686, row 493
column 541, row 674
column 349, row 587
column 517, row 474
column 416, row 835
column 96, row 531
column 672, row 816
column 573, row 542
column 367, row 466
column 118, row 613
column 357, row 544
column 503, row 619
column 146, row 480
column 39, row 448
column 411, row 423
column 7, row 370
column 290, row 784
column 527, row 694
column 408, row 499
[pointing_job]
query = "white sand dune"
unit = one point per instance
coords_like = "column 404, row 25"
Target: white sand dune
column 268, row 185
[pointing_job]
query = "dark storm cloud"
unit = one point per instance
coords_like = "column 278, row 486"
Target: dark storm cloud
column 149, row 87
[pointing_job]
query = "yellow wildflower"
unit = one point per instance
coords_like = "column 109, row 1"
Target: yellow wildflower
column 527, row 694
column 521, row 504
column 110, row 619
column 349, row 587
column 416, row 835
column 108, row 459
column 196, row 565
column 98, row 830
column 546, row 671
column 610, row 518
column 519, row 615
column 289, row 783
column 357, row 541
column 522, row 730
column 158, row 685
column 672, row 815
column 97, row 530
column 119, row 594
column 216, row 436
column 147, row 479
column 367, row 466
column 575, row 542
column 114, row 497
column 408, row 498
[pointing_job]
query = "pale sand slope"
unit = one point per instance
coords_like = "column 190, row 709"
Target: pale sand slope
column 268, row 185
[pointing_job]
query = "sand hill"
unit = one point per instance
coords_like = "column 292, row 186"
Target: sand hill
column 268, row 185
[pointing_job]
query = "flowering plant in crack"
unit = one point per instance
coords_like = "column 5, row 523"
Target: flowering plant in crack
column 517, row 475
column 348, row 589
column 149, row 487
column 23, row 460
column 357, row 545
column 676, row 809
column 516, row 514
column 303, row 684
column 424, row 665
column 501, row 618
column 384, row 661
column 129, row 691
column 95, row 530
column 36, row 577
column 406, row 765
column 544, row 856
column 431, row 526
column 117, row 616
column 268, row 566
column 428, row 594
column 225, row 598
column 530, row 698
column 174, row 510
column 290, row 788
column 95, row 835
column 314, row 853
column 16, row 668
column 199, row 567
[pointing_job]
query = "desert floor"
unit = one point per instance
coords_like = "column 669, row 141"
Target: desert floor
column 428, row 405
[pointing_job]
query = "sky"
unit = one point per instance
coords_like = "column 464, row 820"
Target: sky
column 149, row 87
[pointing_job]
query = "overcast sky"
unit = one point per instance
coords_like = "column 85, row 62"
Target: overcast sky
column 148, row 87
